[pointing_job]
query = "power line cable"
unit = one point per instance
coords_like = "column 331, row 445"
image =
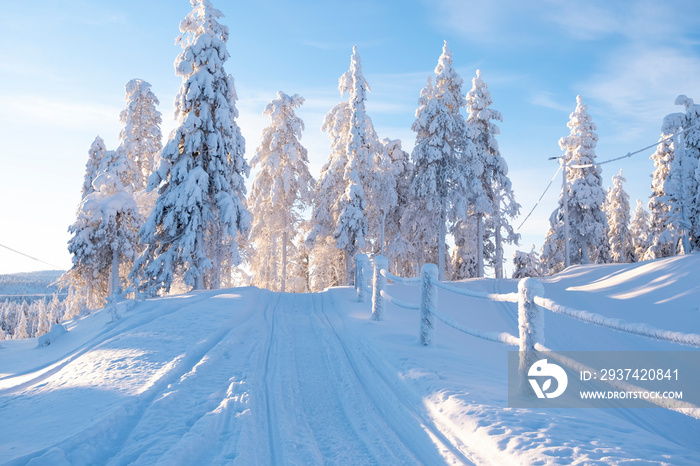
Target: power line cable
column 33, row 258
column 630, row 154
column 538, row 200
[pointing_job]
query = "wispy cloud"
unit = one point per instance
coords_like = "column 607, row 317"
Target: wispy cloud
column 639, row 85
column 636, row 20
column 512, row 22
column 549, row 100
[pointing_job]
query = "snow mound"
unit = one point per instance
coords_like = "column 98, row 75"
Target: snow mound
column 56, row 331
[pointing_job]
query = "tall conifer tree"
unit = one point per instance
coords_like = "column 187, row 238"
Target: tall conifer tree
column 617, row 209
column 445, row 179
column 339, row 207
column 201, row 207
column 280, row 192
column 494, row 201
column 586, row 196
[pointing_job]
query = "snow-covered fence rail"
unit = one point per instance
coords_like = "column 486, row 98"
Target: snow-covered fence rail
column 428, row 303
column 645, row 330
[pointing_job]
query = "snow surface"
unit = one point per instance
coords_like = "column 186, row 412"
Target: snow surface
column 246, row 376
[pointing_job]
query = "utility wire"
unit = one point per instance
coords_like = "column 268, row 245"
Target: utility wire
column 33, row 258
column 538, row 200
column 630, row 154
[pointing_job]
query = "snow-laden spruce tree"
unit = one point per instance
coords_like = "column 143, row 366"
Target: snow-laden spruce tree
column 200, row 210
column 617, row 209
column 22, row 329
column 92, row 278
column 527, row 264
column 398, row 249
column 339, row 206
column 140, row 136
column 95, row 155
column 640, row 231
column 464, row 262
column 553, row 250
column 446, row 172
column 682, row 185
column 382, row 193
column 107, row 238
column 586, row 196
column 494, row 202
column 104, row 236
column 417, row 226
column 661, row 238
column 281, row 191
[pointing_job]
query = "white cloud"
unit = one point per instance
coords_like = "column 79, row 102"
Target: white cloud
column 648, row 21
column 548, row 100
column 640, row 85
column 511, row 22
column 495, row 21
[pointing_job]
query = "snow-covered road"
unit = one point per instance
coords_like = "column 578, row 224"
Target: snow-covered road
column 328, row 402
column 217, row 378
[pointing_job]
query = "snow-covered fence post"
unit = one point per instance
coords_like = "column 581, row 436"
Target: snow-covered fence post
column 378, row 285
column 530, row 324
column 428, row 302
column 361, row 268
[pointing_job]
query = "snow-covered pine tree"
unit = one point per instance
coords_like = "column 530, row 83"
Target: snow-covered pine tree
column 640, row 231
column 527, row 264
column 587, row 222
column 399, row 250
column 661, row 238
column 553, row 249
column 418, row 226
column 464, row 260
column 141, row 137
column 104, row 234
column 201, row 207
column 682, row 184
column 88, row 280
column 382, row 193
column 95, row 155
column 281, row 191
column 339, row 207
column 617, row 209
column 446, row 175
column 22, row 327
column 494, row 201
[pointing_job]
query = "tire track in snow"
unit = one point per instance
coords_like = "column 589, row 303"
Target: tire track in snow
column 110, row 440
column 326, row 404
column 393, row 400
column 272, row 427
column 192, row 420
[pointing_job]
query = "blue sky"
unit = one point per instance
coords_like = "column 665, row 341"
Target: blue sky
column 65, row 64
